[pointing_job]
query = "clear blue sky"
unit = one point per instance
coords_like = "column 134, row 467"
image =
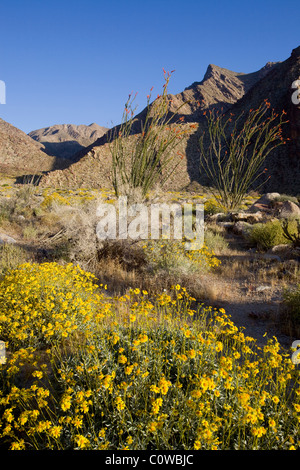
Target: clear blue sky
column 73, row 61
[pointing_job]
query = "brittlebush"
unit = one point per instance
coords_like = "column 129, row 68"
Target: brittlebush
column 144, row 373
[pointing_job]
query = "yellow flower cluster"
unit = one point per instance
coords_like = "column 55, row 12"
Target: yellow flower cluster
column 175, row 377
column 39, row 303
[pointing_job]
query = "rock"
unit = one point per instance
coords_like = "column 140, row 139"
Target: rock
column 6, row 239
column 262, row 288
column 283, row 251
column 218, row 217
column 264, row 202
column 241, row 228
column 271, row 257
column 260, row 208
column 247, row 217
column 283, row 248
column 267, row 198
column 289, row 209
column 228, row 225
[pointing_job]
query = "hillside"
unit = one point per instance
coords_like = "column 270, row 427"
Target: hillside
column 65, row 140
column 20, row 154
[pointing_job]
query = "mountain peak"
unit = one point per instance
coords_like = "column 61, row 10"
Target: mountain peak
column 296, row 52
column 214, row 70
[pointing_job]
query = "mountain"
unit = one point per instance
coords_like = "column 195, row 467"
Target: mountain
column 228, row 92
column 283, row 163
column 65, row 140
column 219, row 89
column 20, row 154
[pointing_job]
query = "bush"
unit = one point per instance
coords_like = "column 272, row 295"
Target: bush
column 213, row 206
column 39, row 303
column 215, row 242
column 171, row 257
column 11, row 256
column 267, row 235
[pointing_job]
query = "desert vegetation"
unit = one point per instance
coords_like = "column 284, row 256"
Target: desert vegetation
column 123, row 345
column 141, row 344
column 234, row 154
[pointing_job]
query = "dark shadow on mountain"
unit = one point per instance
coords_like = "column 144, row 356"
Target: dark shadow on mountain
column 65, row 150
column 30, row 178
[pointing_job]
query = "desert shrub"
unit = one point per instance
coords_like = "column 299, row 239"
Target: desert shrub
column 154, row 374
column 6, row 210
column 267, row 235
column 234, row 149
column 214, row 241
column 129, row 255
column 30, row 232
column 42, row 302
column 291, row 234
column 54, row 199
column 11, row 256
column 171, row 256
column 213, row 206
column 139, row 164
column 74, row 225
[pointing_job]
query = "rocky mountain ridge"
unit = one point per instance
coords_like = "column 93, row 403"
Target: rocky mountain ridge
column 65, row 140
column 220, row 89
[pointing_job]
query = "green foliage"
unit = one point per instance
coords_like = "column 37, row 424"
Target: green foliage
column 266, row 235
column 213, row 206
column 171, row 257
column 291, row 236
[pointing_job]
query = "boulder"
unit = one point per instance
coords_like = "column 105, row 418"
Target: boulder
column 264, row 203
column 289, row 209
column 266, row 199
column 271, row 257
column 227, row 225
column 241, row 228
column 251, row 218
column 284, row 251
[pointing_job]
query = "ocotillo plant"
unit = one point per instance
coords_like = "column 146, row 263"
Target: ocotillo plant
column 139, row 163
column 234, row 156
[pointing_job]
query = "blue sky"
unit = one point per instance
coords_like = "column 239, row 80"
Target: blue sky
column 77, row 61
